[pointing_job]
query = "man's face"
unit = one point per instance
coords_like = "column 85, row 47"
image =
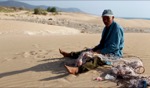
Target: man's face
column 107, row 20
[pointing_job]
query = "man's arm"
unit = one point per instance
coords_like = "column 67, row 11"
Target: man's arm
column 98, row 47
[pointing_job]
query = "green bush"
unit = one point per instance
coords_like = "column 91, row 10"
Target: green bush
column 37, row 11
column 51, row 9
column 40, row 11
column 21, row 8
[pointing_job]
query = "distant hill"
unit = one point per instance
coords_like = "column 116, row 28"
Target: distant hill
column 69, row 9
column 13, row 3
column 135, row 18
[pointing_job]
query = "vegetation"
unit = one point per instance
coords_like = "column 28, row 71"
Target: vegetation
column 53, row 10
column 40, row 11
column 21, row 8
column 49, row 9
column 10, row 9
column 7, row 9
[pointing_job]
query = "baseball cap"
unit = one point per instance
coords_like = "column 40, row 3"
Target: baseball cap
column 107, row 12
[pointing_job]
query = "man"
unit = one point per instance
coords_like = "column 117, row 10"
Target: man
column 112, row 41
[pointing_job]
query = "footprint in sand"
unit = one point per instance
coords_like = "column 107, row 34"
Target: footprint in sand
column 40, row 57
column 14, row 58
column 26, row 54
column 29, row 54
column 4, row 60
column 33, row 53
column 47, row 52
column 44, row 51
column 36, row 45
column 8, row 59
column 37, row 54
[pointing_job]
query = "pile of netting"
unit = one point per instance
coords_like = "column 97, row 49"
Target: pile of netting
column 126, row 72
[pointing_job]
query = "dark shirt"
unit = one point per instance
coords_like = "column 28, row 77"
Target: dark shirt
column 112, row 41
column 102, row 42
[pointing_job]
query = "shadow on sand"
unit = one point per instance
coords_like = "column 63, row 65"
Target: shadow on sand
column 55, row 65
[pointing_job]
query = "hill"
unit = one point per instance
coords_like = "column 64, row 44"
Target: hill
column 13, row 3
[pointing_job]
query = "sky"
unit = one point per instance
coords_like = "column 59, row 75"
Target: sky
column 120, row 8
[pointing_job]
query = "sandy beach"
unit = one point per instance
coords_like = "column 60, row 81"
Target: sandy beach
column 29, row 52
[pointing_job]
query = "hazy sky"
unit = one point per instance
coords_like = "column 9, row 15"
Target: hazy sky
column 124, row 8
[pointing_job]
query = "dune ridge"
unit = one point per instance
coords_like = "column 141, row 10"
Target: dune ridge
column 26, row 28
column 88, row 23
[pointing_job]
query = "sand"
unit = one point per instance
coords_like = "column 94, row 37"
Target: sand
column 29, row 55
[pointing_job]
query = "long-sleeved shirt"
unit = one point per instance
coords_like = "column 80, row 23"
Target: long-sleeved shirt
column 112, row 41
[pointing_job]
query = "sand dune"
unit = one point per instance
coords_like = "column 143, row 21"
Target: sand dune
column 35, row 61
column 83, row 22
column 14, row 27
column 29, row 55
